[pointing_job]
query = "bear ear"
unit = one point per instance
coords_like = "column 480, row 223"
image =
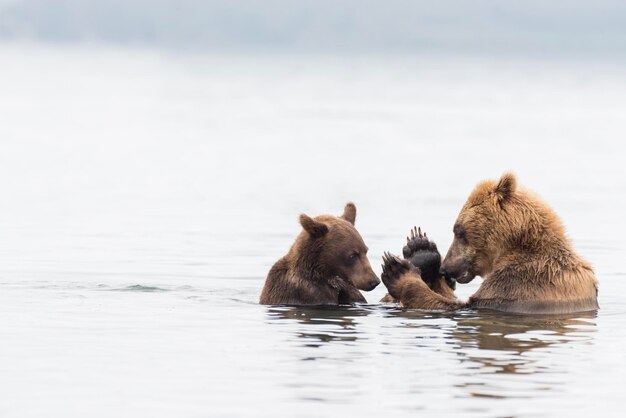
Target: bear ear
column 349, row 213
column 506, row 186
column 314, row 228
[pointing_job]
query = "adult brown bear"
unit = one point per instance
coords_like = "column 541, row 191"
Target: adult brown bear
column 511, row 239
column 326, row 265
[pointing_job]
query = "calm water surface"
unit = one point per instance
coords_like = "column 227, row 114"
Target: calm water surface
column 146, row 195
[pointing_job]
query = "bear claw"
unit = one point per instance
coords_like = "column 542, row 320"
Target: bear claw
column 393, row 268
column 416, row 232
column 417, row 241
column 422, row 253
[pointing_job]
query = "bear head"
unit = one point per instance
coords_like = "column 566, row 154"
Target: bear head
column 330, row 246
column 495, row 219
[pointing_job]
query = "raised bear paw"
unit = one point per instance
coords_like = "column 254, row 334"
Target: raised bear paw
column 423, row 254
column 393, row 269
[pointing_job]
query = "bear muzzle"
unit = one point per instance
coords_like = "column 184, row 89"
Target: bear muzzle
column 460, row 273
column 369, row 284
column 374, row 283
column 465, row 278
column 363, row 277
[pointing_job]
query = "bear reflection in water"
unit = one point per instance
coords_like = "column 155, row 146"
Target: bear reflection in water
column 492, row 330
column 322, row 324
column 519, row 334
column 495, row 341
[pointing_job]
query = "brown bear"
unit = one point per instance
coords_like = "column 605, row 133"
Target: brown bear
column 326, row 265
column 517, row 244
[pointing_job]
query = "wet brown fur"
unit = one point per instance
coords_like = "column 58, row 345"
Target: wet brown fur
column 311, row 274
column 519, row 246
column 439, row 286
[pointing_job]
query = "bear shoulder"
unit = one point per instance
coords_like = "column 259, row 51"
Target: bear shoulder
column 539, row 286
column 284, row 286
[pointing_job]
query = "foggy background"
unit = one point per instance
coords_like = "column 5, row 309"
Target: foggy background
column 107, row 107
column 530, row 27
column 113, row 109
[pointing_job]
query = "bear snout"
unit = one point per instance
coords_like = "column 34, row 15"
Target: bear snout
column 374, row 283
column 466, row 277
column 367, row 282
column 458, row 270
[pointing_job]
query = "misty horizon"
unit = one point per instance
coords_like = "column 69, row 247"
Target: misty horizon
column 488, row 27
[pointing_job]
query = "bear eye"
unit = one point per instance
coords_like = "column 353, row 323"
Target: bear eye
column 354, row 255
column 459, row 232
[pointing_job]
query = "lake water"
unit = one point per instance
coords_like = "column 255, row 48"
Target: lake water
column 146, row 194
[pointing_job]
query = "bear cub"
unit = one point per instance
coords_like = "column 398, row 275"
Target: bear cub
column 326, row 265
